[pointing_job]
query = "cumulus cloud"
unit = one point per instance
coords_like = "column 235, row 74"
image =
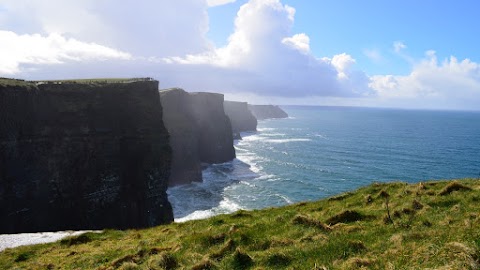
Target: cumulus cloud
column 269, row 60
column 343, row 63
column 300, row 42
column 263, row 59
column 450, row 84
column 143, row 28
column 262, row 55
column 35, row 50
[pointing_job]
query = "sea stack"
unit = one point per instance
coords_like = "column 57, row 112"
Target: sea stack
column 82, row 155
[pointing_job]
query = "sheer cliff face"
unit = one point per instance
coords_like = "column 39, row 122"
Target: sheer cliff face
column 83, row 156
column 215, row 140
column 184, row 136
column 262, row 112
column 240, row 116
column 200, row 132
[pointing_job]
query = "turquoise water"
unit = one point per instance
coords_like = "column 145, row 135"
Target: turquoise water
column 322, row 151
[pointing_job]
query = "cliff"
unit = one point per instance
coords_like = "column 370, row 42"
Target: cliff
column 184, row 136
column 200, row 132
column 262, row 112
column 82, row 156
column 215, row 138
column 240, row 116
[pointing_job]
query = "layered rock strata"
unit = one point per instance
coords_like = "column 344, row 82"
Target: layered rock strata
column 82, row 156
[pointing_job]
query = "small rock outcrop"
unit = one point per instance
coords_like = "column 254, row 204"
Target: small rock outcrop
column 262, row 112
column 240, row 116
column 82, row 156
column 200, row 132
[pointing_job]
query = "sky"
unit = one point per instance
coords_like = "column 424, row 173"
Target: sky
column 376, row 53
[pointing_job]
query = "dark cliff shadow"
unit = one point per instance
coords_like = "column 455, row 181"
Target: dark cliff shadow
column 204, row 199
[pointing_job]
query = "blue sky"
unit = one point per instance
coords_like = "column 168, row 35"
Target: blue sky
column 406, row 54
column 359, row 27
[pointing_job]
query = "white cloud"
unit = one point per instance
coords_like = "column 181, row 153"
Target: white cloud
column 17, row 50
column 343, row 63
column 214, row 3
column 398, row 46
column 263, row 59
column 143, row 28
column 300, row 42
column 262, row 56
column 449, row 84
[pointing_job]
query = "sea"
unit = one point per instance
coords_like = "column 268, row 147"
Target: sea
column 319, row 152
column 322, row 151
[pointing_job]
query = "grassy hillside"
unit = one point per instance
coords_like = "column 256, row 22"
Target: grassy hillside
column 431, row 225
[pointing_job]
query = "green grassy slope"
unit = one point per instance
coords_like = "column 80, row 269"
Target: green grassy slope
column 431, row 225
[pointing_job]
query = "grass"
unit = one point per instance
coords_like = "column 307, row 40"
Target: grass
column 96, row 80
column 434, row 225
column 8, row 82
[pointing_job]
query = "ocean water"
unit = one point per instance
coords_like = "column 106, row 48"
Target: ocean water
column 322, row 151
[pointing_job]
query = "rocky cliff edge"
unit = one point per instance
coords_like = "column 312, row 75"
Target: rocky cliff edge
column 82, row 156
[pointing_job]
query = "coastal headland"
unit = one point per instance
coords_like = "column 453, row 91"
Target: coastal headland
column 101, row 153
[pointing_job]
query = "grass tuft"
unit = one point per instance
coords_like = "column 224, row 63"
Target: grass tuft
column 241, row 214
column 24, row 256
column 356, row 263
column 346, row 217
column 241, row 260
column 454, row 186
column 356, row 246
column 340, row 197
column 129, row 266
column 212, row 240
column 278, row 260
column 163, row 261
column 227, row 248
column 77, row 240
column 306, row 221
column 465, row 256
column 204, row 265
column 126, row 259
column 417, row 205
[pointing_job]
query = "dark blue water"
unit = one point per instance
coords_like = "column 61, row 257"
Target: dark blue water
column 322, row 151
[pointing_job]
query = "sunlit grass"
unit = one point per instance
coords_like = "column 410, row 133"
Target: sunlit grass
column 14, row 82
column 432, row 225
